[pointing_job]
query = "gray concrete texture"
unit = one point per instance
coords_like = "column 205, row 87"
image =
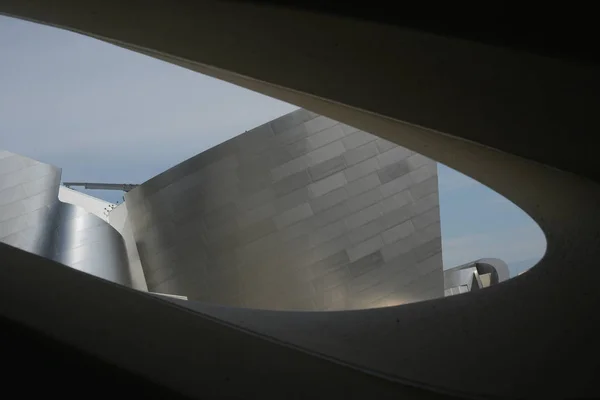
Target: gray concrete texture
column 301, row 213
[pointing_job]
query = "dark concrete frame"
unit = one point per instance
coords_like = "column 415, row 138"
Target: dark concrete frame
column 524, row 125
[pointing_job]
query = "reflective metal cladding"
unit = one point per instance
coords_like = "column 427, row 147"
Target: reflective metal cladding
column 33, row 219
column 300, row 213
column 474, row 276
column 28, row 203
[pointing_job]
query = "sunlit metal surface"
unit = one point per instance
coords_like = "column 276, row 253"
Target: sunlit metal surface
column 85, row 242
column 475, row 275
column 117, row 218
column 28, row 203
column 33, row 219
column 98, row 207
column 300, row 213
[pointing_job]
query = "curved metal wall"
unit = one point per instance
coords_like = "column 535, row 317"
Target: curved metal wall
column 300, row 213
column 87, row 243
column 33, row 219
column 28, row 203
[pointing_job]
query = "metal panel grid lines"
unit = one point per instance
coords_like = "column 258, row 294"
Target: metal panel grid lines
column 301, row 213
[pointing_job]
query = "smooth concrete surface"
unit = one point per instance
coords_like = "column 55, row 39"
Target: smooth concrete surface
column 301, row 213
column 33, row 218
column 522, row 124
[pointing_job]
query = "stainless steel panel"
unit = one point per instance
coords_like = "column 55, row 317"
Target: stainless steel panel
column 465, row 278
column 33, row 219
column 231, row 226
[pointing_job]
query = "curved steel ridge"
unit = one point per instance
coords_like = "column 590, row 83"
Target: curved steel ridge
column 541, row 327
column 34, row 219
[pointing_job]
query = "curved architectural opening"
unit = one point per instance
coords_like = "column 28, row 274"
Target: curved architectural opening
column 409, row 96
column 479, row 223
column 301, row 212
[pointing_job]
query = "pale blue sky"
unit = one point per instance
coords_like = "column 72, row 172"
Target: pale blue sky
column 102, row 113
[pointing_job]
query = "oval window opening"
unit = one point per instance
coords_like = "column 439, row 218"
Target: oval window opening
column 480, row 224
column 232, row 197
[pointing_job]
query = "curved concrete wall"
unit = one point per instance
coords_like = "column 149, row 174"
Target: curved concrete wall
column 33, row 219
column 300, row 213
column 488, row 99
